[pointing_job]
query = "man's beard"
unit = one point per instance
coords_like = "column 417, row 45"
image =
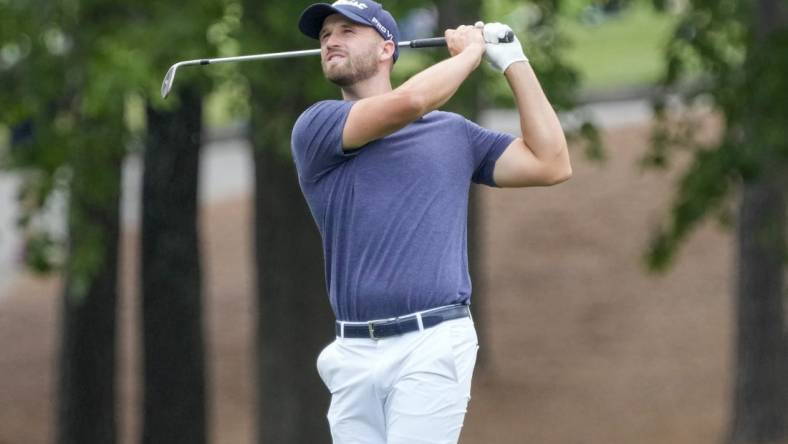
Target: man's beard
column 352, row 70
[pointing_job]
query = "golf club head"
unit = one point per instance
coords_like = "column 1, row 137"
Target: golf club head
column 166, row 85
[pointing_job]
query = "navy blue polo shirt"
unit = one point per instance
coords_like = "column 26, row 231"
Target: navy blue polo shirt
column 393, row 214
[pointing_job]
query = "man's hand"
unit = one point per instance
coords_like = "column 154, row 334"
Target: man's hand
column 501, row 55
column 465, row 38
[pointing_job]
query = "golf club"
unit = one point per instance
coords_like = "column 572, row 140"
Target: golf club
column 169, row 78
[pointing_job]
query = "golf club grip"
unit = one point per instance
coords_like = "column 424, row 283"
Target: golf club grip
column 428, row 43
column 441, row 41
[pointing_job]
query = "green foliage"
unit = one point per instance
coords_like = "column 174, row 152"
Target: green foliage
column 744, row 77
column 594, row 150
column 701, row 190
column 69, row 68
column 41, row 253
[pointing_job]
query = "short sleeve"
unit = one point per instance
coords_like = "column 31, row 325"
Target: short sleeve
column 487, row 147
column 316, row 140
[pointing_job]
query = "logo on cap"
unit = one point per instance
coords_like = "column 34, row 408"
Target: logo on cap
column 354, row 3
column 383, row 30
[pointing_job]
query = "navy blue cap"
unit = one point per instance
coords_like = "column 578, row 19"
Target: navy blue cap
column 364, row 12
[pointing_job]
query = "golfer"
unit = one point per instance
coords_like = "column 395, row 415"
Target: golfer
column 386, row 177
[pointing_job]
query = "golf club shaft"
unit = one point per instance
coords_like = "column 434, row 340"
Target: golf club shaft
column 169, row 79
column 421, row 43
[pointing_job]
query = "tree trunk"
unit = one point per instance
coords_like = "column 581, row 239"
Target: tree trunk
column 174, row 368
column 760, row 393
column 294, row 317
column 86, row 402
column 453, row 13
column 759, row 409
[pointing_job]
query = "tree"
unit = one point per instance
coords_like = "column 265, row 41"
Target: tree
column 174, row 367
column 294, row 319
column 54, row 85
column 86, row 407
column 68, row 69
column 174, row 394
column 732, row 46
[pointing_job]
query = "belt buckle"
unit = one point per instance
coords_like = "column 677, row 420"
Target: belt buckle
column 371, row 327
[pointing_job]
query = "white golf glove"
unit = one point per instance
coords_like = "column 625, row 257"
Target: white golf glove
column 501, row 55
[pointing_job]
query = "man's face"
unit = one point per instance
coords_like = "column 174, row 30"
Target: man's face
column 349, row 51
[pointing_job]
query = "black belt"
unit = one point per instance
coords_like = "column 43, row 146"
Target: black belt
column 401, row 325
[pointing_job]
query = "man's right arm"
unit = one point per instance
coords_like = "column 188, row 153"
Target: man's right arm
column 375, row 117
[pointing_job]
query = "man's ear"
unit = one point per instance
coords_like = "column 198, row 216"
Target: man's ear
column 388, row 51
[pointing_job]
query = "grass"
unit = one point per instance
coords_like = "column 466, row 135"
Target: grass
column 622, row 51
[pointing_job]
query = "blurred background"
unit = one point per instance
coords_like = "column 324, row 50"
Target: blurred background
column 161, row 278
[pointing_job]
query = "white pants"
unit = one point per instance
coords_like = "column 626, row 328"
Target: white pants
column 408, row 389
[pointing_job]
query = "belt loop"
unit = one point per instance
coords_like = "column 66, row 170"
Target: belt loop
column 419, row 321
column 342, row 329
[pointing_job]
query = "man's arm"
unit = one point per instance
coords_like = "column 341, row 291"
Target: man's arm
column 374, row 117
column 540, row 157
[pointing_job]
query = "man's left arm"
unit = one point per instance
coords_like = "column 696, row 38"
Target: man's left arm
column 540, row 157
